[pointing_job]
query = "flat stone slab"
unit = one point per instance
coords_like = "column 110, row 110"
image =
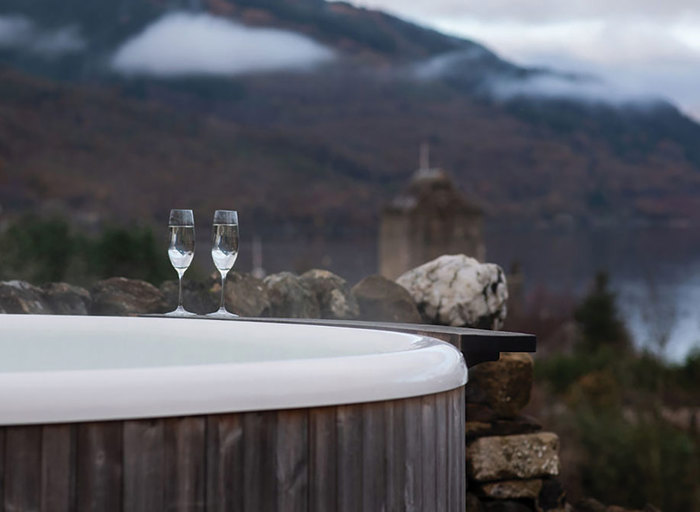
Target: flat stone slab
column 512, row 489
column 513, row 457
column 503, row 385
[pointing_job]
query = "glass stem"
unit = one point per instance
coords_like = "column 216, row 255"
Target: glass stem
column 223, row 286
column 180, row 273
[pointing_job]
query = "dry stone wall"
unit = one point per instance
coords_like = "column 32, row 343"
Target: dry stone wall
column 511, row 463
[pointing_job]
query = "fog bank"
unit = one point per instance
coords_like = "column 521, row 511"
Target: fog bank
column 19, row 32
column 201, row 44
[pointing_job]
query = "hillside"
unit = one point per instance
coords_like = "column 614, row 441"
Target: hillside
column 322, row 149
column 105, row 158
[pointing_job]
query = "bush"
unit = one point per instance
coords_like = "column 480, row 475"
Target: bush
column 614, row 410
column 37, row 250
column 638, row 461
column 48, row 250
column 560, row 371
column 128, row 253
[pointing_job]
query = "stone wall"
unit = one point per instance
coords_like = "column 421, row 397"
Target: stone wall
column 512, row 464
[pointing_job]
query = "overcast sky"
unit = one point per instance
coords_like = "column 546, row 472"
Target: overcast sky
column 644, row 46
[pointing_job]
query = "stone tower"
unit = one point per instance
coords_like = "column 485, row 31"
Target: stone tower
column 431, row 217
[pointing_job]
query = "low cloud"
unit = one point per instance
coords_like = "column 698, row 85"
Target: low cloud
column 553, row 86
column 444, row 64
column 633, row 60
column 14, row 30
column 20, row 33
column 200, row 44
column 578, row 83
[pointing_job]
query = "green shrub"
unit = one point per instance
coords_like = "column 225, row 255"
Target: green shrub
column 37, row 250
column 129, row 253
column 560, row 371
column 637, row 461
column 616, row 403
column 48, row 250
column 598, row 317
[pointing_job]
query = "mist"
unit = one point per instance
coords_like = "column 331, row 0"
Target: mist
column 447, row 63
column 580, row 88
column 21, row 33
column 542, row 82
column 201, row 44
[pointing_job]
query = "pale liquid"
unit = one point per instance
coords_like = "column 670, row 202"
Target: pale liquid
column 181, row 250
column 224, row 248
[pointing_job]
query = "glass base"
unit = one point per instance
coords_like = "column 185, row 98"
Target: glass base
column 222, row 313
column 180, row 312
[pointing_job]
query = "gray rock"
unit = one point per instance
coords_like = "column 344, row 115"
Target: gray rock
column 512, row 489
column 18, row 297
column 197, row 297
column 503, row 385
column 245, row 295
column 458, row 290
column 290, row 298
column 382, row 300
column 66, row 299
column 513, row 457
column 332, row 293
column 119, row 296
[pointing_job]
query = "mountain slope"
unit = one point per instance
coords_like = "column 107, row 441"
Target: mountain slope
column 324, row 149
column 372, row 36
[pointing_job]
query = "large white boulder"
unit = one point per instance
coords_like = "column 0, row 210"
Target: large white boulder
column 458, row 290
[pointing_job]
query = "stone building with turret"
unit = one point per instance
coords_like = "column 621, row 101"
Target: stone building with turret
column 431, row 217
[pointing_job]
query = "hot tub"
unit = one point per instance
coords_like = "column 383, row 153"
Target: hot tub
column 150, row 414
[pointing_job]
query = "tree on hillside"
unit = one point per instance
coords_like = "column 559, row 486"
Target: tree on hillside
column 599, row 319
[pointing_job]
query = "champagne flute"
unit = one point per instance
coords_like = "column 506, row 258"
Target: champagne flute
column 181, row 250
column 224, row 251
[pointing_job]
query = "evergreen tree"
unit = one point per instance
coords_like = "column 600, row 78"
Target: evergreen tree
column 598, row 317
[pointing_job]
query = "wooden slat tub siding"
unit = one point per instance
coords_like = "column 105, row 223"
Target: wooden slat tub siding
column 57, row 463
column 441, row 464
column 23, row 469
column 144, row 465
column 259, row 433
column 292, row 461
column 323, row 473
column 349, row 458
column 185, row 458
column 393, row 456
column 99, row 467
column 212, row 448
column 373, row 458
column 456, row 455
column 225, row 461
column 396, row 454
column 429, row 446
column 413, row 486
column 461, row 445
